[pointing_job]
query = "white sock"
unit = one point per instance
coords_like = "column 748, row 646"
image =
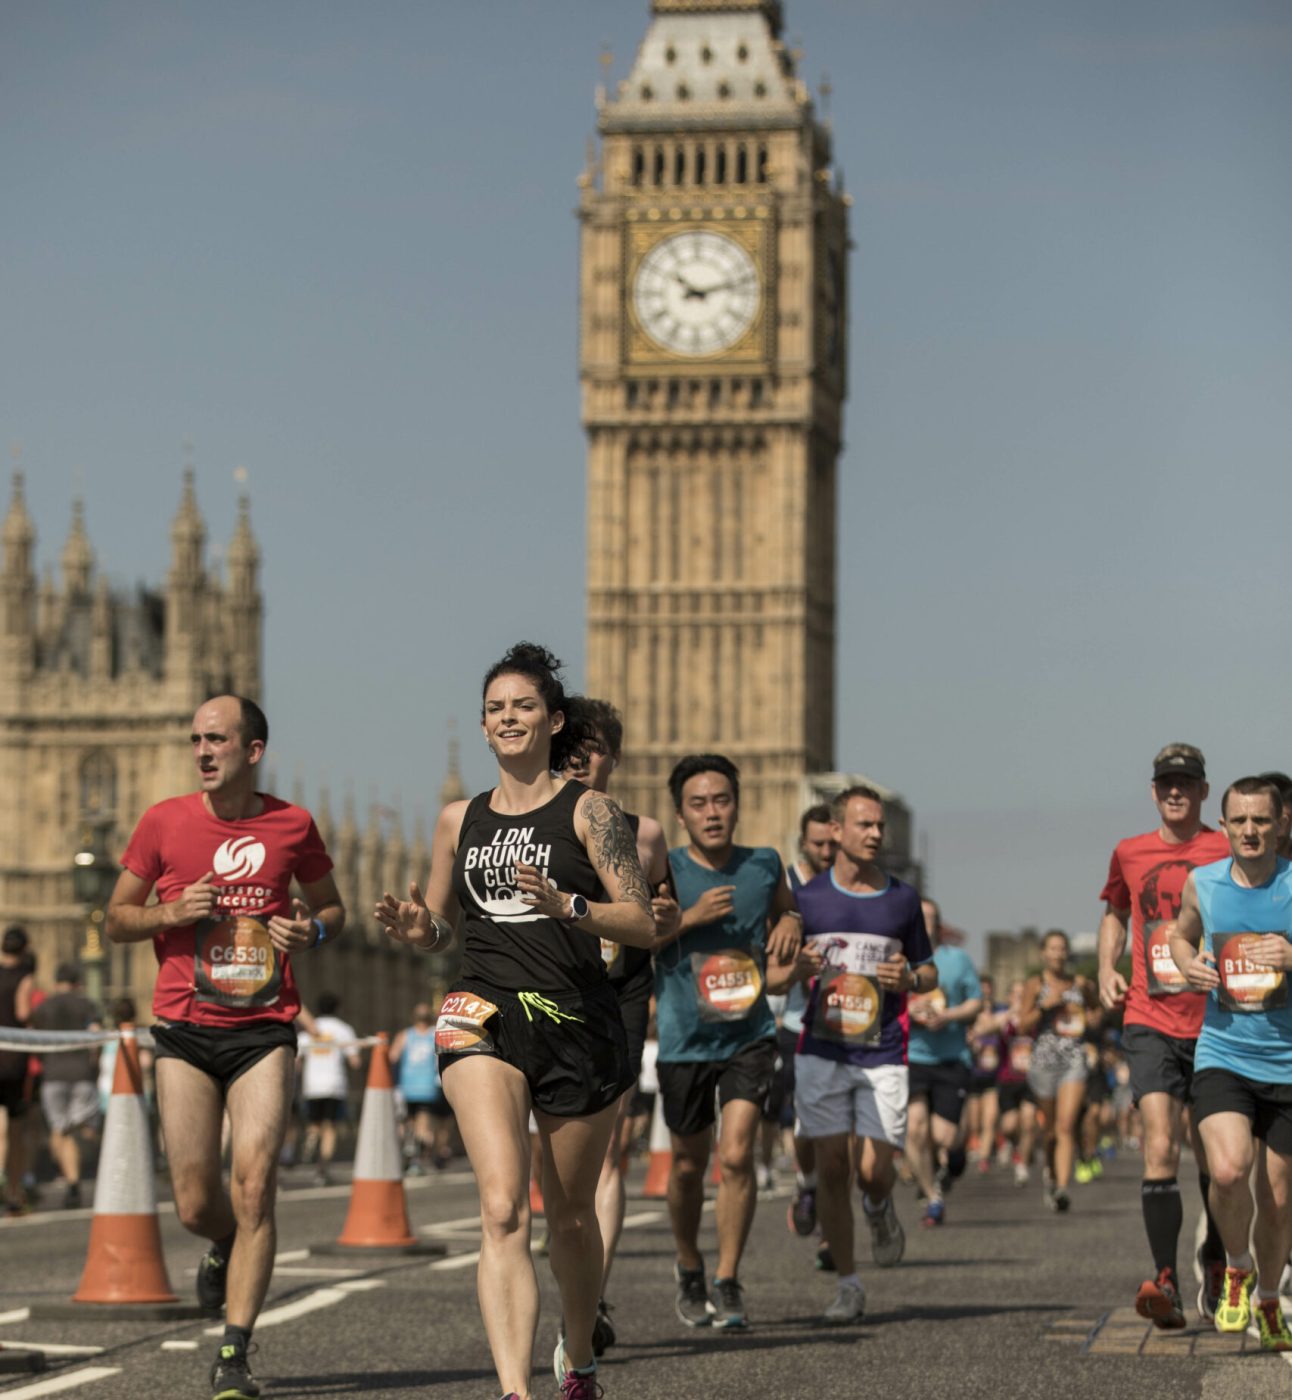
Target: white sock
column 850, row 1280
column 806, row 1180
column 1239, row 1261
column 1264, row 1295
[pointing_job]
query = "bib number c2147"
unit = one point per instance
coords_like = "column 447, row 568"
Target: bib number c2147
column 848, row 1009
column 727, row 984
column 1244, row 985
column 460, row 1026
column 235, row 963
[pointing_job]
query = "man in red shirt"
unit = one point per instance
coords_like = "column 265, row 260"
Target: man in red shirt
column 222, row 861
column 1163, row 1015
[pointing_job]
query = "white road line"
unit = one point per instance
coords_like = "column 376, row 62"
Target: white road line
column 361, row 1285
column 56, row 1348
column 313, row 1271
column 647, row 1217
column 466, row 1222
column 179, row 1346
column 289, row 1256
column 456, row 1261
column 289, row 1312
column 17, row 1315
column 70, row 1381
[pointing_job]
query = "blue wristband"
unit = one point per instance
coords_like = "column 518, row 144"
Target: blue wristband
column 320, row 933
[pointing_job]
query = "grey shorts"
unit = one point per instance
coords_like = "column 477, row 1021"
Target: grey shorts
column 1055, row 1061
column 69, row 1104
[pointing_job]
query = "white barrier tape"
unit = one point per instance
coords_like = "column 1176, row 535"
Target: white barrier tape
column 57, row 1042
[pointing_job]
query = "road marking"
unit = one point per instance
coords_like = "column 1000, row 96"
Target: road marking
column 289, row 1256
column 289, row 1312
column 56, row 1348
column 17, row 1315
column 456, row 1261
column 647, row 1217
column 179, row 1346
column 313, row 1271
column 60, row 1383
column 449, row 1227
column 361, row 1285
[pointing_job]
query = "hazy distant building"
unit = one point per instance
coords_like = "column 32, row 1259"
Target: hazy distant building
column 98, row 685
column 713, row 336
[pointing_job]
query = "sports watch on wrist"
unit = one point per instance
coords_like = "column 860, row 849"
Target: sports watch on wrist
column 578, row 909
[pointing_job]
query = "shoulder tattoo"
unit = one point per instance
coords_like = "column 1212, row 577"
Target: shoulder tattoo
column 613, row 847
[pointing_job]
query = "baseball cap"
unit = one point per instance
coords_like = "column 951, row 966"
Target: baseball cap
column 1179, row 761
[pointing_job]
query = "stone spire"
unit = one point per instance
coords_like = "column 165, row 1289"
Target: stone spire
column 243, row 604
column 78, row 557
column 187, row 536
column 243, row 558
column 452, row 789
column 101, row 632
column 19, row 535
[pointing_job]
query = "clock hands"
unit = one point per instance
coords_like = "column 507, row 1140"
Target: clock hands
column 699, row 293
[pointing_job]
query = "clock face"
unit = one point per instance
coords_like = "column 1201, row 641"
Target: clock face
column 696, row 293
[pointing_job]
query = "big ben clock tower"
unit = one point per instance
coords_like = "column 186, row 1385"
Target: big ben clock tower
column 713, row 365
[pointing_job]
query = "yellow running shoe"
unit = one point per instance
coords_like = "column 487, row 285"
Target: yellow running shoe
column 1234, row 1310
column 1274, row 1327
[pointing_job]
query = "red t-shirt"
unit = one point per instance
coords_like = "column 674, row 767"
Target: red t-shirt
column 1146, row 875
column 224, row 971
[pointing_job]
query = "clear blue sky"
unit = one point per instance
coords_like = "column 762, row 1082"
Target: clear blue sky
column 333, row 243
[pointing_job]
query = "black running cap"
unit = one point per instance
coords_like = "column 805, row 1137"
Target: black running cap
column 1179, row 765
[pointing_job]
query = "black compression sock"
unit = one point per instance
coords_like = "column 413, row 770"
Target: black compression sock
column 236, row 1337
column 1163, row 1217
column 1213, row 1247
column 224, row 1247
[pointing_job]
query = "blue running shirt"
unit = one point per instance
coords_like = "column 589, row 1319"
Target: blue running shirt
column 710, row 984
column 419, row 1074
column 958, row 982
column 1247, row 1028
column 796, row 998
column 849, row 1017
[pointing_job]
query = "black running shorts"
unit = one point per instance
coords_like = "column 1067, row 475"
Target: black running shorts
column 570, row 1046
column 689, row 1088
column 324, row 1110
column 634, row 1007
column 1267, row 1107
column 946, row 1087
column 1010, row 1093
column 1159, row 1063
column 13, row 1098
column 224, row 1053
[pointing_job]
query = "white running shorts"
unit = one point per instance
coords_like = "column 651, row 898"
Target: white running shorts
column 832, row 1098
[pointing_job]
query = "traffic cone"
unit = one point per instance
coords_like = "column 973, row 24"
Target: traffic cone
column 124, row 1265
column 660, row 1167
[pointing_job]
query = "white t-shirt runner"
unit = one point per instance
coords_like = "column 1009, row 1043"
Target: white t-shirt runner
column 323, row 1072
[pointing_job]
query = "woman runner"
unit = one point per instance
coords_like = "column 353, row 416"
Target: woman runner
column 1058, row 1006
column 541, row 869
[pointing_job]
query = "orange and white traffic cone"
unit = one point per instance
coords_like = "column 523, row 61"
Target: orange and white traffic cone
column 124, row 1264
column 660, row 1166
column 378, row 1215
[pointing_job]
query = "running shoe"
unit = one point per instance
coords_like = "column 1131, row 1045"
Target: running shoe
column 943, row 1179
column 1234, row 1307
column 1062, row 1201
column 802, row 1212
column 763, row 1176
column 575, row 1385
column 1021, row 1174
column 1159, row 1301
column 231, row 1377
column 887, row 1238
column 984, row 1166
column 728, row 1312
column 1096, row 1168
column 849, row 1304
column 934, row 1214
column 692, row 1303
column 1048, row 1193
column 1273, row 1325
column 824, row 1260
column 1213, row 1281
column 603, row 1330
column 1082, row 1174
column 212, row 1280
column 72, row 1198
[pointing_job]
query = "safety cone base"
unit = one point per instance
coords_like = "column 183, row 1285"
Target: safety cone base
column 20, row 1361
column 117, row 1312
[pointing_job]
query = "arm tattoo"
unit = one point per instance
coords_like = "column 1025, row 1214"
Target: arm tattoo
column 613, row 848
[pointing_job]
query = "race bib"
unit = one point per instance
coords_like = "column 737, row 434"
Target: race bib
column 460, row 1026
column 1164, row 978
column 988, row 1057
column 924, row 1005
column 1020, row 1054
column 1245, row 986
column 727, row 984
column 235, row 964
column 848, row 1009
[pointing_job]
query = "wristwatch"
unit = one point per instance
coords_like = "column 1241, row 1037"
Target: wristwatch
column 578, row 909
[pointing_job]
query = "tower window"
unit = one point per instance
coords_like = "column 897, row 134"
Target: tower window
column 700, row 165
column 720, row 166
column 724, row 89
column 674, row 392
column 670, row 54
column 760, row 89
column 639, row 165
column 679, row 166
column 647, row 92
column 762, row 162
column 683, row 92
column 742, row 53
column 706, row 54
column 659, row 165
column 742, row 164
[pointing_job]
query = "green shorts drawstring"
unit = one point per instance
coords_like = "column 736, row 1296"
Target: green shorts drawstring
column 541, row 1003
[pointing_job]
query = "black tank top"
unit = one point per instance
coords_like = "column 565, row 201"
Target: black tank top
column 13, row 1063
column 506, row 945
